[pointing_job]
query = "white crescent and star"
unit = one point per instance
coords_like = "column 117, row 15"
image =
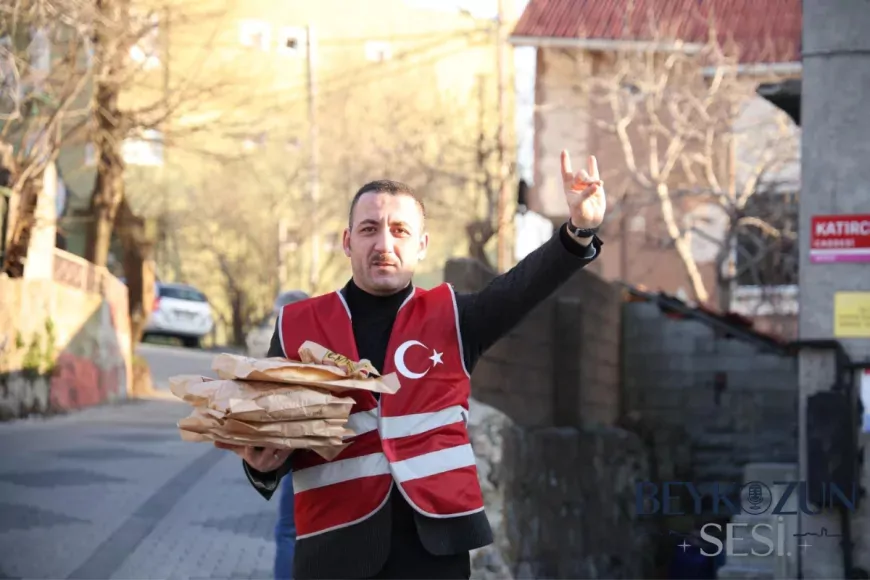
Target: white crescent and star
column 402, row 367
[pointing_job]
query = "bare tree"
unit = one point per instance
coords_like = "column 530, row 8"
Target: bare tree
column 676, row 115
column 449, row 151
column 95, row 73
column 42, row 87
column 227, row 227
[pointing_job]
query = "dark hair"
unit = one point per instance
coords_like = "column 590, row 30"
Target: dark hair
column 385, row 186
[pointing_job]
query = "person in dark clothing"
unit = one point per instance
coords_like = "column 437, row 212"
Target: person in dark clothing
column 410, row 533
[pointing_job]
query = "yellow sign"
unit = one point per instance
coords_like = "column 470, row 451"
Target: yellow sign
column 852, row 315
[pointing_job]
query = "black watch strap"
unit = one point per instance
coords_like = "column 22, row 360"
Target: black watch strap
column 579, row 232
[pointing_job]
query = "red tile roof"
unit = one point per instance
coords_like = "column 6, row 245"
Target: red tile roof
column 764, row 30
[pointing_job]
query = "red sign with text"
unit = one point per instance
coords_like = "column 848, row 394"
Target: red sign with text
column 840, row 238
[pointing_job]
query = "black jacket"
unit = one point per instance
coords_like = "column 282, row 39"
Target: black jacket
column 360, row 550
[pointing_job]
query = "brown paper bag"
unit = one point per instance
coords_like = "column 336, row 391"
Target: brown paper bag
column 257, row 401
column 201, row 420
column 278, row 370
column 193, row 389
column 326, row 449
column 291, row 429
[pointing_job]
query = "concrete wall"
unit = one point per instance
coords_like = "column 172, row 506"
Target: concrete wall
column 836, row 180
column 61, row 347
column 736, row 403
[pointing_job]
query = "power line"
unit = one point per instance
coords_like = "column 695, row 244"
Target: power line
column 341, row 81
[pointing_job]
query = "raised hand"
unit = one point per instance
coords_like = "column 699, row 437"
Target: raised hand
column 584, row 192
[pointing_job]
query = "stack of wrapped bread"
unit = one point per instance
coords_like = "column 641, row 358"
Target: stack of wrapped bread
column 278, row 403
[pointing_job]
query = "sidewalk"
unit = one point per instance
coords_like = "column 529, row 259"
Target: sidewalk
column 112, row 492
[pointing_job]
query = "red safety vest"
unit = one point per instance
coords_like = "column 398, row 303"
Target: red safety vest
column 417, row 437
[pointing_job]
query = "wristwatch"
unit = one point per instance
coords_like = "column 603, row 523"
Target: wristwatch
column 579, row 232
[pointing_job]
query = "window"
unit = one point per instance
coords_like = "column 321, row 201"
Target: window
column 145, row 150
column 292, row 41
column 182, row 293
column 90, row 155
column 765, row 259
column 377, row 51
column 146, row 50
column 255, row 34
column 10, row 87
column 40, row 54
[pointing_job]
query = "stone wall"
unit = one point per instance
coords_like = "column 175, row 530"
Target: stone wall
column 560, row 500
column 536, row 374
column 61, row 347
column 557, row 475
column 737, row 403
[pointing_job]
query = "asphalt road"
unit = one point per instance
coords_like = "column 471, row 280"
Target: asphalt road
column 168, row 361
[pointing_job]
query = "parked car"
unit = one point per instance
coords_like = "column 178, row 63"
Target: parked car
column 180, row 311
column 259, row 338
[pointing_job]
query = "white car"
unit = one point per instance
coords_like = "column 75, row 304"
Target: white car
column 180, row 311
column 259, row 338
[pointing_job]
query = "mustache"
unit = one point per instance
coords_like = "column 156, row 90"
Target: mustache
column 384, row 259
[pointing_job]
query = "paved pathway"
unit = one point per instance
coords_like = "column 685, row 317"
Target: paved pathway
column 112, row 492
column 168, row 361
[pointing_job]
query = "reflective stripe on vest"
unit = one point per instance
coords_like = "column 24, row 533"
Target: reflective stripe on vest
column 339, row 470
column 362, row 422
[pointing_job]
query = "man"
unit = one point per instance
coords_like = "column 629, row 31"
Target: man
column 403, row 500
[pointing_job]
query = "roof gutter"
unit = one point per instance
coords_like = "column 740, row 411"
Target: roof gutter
column 603, row 44
column 762, row 69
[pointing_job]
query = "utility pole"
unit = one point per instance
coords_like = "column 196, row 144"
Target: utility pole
column 314, row 160
column 503, row 251
column 167, row 178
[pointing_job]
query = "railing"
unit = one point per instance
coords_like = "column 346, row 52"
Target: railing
column 76, row 272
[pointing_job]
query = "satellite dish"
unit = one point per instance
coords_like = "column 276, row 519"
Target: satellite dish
column 705, row 228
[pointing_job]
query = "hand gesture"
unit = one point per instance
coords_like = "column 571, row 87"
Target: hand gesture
column 584, row 192
column 262, row 459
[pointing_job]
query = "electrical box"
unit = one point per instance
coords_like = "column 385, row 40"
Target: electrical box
column 832, row 454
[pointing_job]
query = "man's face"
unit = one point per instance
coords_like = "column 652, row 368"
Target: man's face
column 385, row 242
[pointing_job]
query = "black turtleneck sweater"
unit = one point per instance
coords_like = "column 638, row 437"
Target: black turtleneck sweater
column 484, row 318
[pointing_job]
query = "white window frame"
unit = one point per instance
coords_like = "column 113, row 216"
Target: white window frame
column 250, row 29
